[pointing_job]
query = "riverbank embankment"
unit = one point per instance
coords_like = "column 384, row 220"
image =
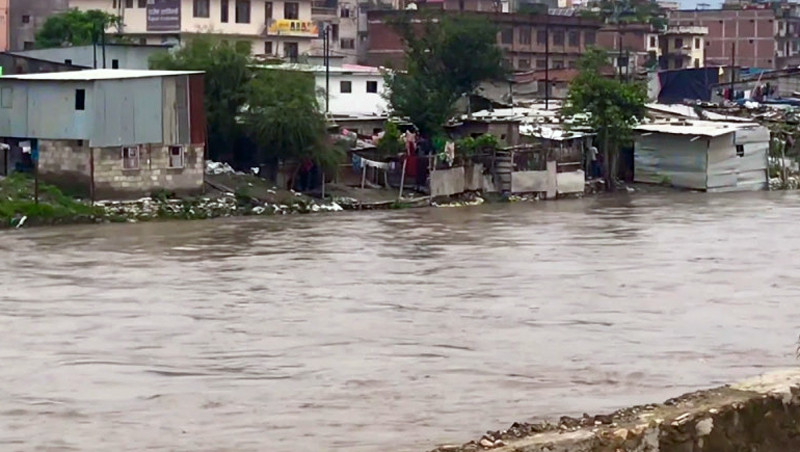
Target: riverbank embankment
column 760, row 414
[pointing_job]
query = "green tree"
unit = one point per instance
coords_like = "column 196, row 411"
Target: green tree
column 284, row 120
column 227, row 73
column 74, row 28
column 446, row 58
column 607, row 105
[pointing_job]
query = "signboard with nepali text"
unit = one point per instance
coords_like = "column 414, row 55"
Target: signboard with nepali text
column 289, row 27
column 164, row 15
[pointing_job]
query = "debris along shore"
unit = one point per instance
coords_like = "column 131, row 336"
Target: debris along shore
column 757, row 414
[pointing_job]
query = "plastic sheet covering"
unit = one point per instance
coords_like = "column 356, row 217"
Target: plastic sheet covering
column 681, row 84
column 572, row 182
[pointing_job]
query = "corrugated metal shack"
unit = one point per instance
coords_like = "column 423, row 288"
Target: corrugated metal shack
column 702, row 155
column 109, row 133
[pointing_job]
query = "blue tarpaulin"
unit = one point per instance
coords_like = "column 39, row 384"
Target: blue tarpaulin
column 687, row 84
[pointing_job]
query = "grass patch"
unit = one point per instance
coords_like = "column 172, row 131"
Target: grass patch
column 17, row 200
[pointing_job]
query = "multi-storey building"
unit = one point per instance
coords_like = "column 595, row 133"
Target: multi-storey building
column 682, row 47
column 529, row 41
column 4, row 29
column 752, row 35
column 281, row 27
column 340, row 17
column 25, row 17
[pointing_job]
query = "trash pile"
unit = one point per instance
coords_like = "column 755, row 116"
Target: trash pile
column 216, row 168
column 145, row 209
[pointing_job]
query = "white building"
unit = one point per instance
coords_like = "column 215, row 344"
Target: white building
column 354, row 90
column 282, row 28
column 702, row 155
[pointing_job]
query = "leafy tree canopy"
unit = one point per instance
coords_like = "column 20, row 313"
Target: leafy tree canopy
column 277, row 111
column 607, row 105
column 447, row 57
column 74, row 28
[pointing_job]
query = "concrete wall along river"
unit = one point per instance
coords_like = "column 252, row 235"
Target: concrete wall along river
column 393, row 330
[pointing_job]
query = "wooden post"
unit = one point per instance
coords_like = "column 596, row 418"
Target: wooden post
column 403, row 178
column 36, row 181
column 91, row 175
column 323, row 185
column 783, row 163
column 363, row 175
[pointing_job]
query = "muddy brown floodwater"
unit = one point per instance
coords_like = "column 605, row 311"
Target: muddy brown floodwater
column 386, row 330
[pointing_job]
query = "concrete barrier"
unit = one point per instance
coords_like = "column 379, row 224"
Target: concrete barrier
column 447, row 182
column 761, row 414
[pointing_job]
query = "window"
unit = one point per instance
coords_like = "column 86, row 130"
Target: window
column 652, row 41
column 678, row 63
column 345, row 86
column 68, row 62
column 242, row 11
column 268, row 48
column 372, row 86
column 678, row 43
column 176, row 156
column 697, row 62
column 523, row 63
column 129, row 3
column 26, row 19
column 7, row 98
column 696, row 43
column 290, row 51
column 334, row 32
column 28, row 45
column 740, row 150
column 80, row 99
column 541, row 63
column 130, row 158
column 507, row 36
column 558, row 38
column 141, row 3
column 267, row 11
column 223, row 11
column 114, row 64
column 541, row 37
column 525, row 35
column 344, row 12
column 558, row 64
column 348, row 43
column 574, row 39
column 201, row 8
column 589, row 38
column 291, row 10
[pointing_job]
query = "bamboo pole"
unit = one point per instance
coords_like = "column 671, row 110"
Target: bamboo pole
column 402, row 179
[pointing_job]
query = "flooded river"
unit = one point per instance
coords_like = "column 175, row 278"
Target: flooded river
column 389, row 330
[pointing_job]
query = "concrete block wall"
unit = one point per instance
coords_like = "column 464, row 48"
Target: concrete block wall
column 112, row 181
column 68, row 164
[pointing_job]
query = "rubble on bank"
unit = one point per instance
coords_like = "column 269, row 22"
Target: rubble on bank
column 762, row 414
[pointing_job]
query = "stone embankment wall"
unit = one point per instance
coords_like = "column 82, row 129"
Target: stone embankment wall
column 762, row 414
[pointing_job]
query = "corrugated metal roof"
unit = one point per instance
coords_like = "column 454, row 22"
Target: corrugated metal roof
column 701, row 128
column 97, row 74
column 320, row 69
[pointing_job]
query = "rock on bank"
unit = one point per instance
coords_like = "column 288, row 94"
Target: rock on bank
column 761, row 414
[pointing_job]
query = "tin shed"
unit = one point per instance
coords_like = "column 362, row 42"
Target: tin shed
column 710, row 156
column 110, row 133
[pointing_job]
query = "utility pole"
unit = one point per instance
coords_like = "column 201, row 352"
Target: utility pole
column 733, row 69
column 326, row 46
column 547, row 63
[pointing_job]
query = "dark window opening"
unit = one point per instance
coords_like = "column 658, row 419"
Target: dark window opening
column 80, row 99
column 68, row 62
column 345, row 86
column 291, row 10
column 242, row 11
column 740, row 150
column 26, row 19
column 372, row 86
column 223, row 12
column 114, row 64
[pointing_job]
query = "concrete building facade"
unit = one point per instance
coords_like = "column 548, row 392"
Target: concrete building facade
column 757, row 36
column 26, row 17
column 682, row 46
column 341, row 17
column 529, row 41
column 281, row 27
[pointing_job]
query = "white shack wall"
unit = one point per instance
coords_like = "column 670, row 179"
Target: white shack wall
column 727, row 171
column 660, row 157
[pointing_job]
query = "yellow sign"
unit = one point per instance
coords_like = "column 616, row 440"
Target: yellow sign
column 288, row 27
